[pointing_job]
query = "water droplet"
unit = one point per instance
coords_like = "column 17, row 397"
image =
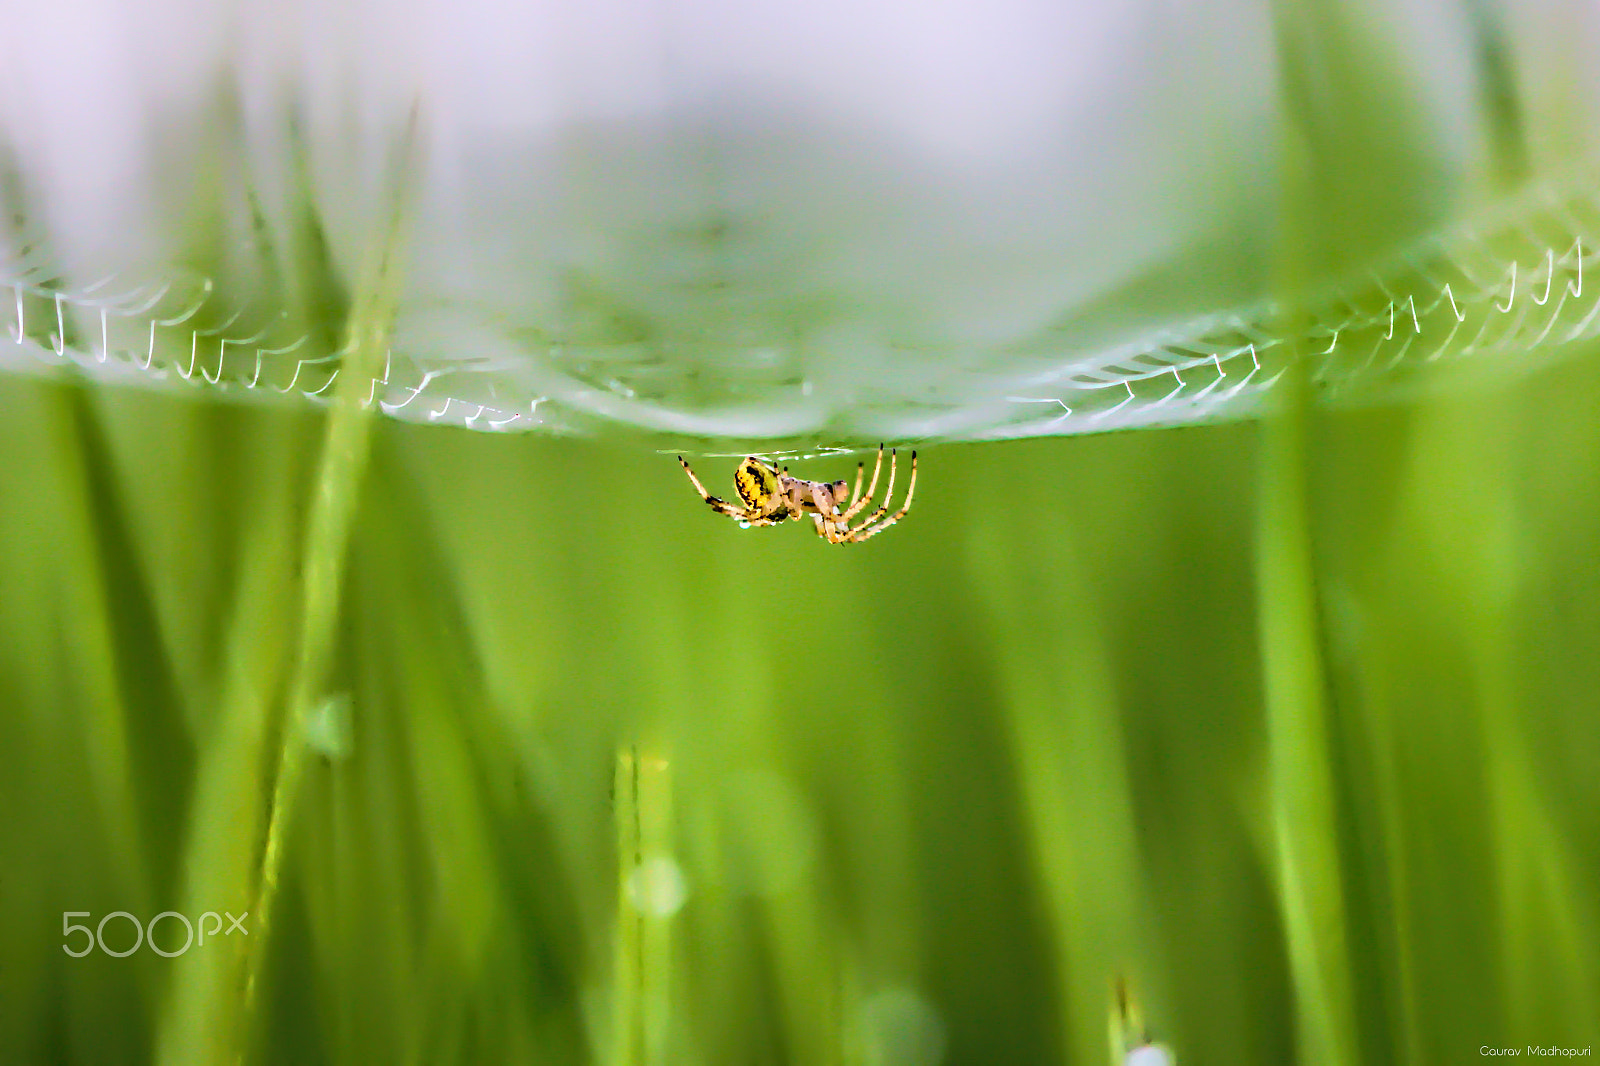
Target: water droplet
column 1149, row 1055
column 327, row 727
column 902, row 1029
column 657, row 887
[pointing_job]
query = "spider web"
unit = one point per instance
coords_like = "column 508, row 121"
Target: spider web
column 1494, row 296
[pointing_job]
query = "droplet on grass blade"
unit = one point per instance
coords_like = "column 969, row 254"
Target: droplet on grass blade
column 657, row 887
column 1150, row 1055
column 902, row 1029
column 328, row 727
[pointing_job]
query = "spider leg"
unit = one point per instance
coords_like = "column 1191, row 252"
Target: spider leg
column 868, row 529
column 720, row 505
column 830, row 524
column 859, row 501
column 884, row 508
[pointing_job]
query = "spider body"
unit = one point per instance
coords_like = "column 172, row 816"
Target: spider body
column 771, row 496
column 769, row 492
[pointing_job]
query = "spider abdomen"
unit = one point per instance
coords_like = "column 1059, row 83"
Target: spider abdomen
column 757, row 483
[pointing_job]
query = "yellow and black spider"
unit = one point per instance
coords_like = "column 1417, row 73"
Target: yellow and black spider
column 771, row 496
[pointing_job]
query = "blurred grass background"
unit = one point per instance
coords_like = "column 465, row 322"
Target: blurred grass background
column 598, row 777
column 1290, row 725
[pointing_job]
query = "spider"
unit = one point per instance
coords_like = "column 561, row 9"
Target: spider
column 770, row 496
